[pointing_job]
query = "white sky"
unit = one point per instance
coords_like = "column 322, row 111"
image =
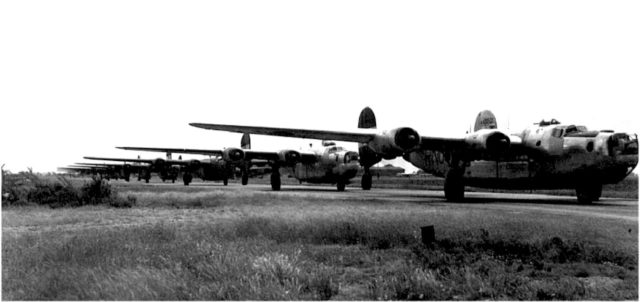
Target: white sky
column 80, row 77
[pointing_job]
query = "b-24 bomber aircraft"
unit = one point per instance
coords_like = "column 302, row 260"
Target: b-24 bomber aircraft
column 213, row 169
column 331, row 164
column 547, row 155
column 238, row 161
column 106, row 171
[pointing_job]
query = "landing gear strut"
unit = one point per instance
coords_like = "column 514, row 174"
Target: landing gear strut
column 275, row 178
column 454, row 185
column 146, row 176
column 245, row 177
column 186, row 178
column 588, row 192
column 367, row 179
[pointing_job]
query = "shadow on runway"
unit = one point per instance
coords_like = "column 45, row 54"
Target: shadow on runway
column 303, row 188
column 495, row 198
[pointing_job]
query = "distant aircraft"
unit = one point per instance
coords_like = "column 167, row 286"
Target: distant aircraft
column 548, row 155
column 331, row 164
column 244, row 165
column 107, row 171
column 214, row 169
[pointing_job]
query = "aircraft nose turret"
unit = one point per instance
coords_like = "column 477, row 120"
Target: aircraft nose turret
column 622, row 144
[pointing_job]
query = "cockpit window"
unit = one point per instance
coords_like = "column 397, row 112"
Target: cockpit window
column 334, row 149
column 571, row 129
column 557, row 132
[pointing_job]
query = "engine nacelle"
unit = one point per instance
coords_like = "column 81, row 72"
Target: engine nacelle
column 489, row 141
column 289, row 157
column 394, row 143
column 232, row 154
column 158, row 162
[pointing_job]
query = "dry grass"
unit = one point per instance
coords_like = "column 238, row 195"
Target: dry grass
column 210, row 243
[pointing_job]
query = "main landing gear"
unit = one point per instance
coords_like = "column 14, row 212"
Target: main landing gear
column 275, row 179
column 341, row 186
column 454, row 185
column 588, row 191
column 144, row 174
column 245, row 178
column 186, row 178
column 367, row 179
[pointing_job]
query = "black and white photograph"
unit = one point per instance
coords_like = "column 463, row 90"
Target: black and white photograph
column 319, row 150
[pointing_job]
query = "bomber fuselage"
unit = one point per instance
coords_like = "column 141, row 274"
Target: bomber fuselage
column 559, row 156
column 334, row 165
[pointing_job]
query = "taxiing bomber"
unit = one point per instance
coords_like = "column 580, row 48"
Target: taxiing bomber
column 548, row 155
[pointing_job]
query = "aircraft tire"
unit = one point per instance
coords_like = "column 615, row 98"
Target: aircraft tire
column 186, row 178
column 245, row 179
column 275, row 181
column 341, row 186
column 454, row 186
column 367, row 180
column 225, row 181
column 588, row 193
column 146, row 180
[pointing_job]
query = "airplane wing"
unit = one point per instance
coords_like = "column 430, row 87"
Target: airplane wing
column 444, row 144
column 175, row 150
column 99, row 165
column 254, row 156
column 146, row 161
column 441, row 143
column 133, row 160
column 275, row 156
column 75, row 168
column 360, row 136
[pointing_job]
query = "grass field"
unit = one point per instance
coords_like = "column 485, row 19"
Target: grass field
column 213, row 243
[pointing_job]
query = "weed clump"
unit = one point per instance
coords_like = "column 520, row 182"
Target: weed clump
column 16, row 187
column 29, row 188
column 123, row 203
column 96, row 191
column 54, row 194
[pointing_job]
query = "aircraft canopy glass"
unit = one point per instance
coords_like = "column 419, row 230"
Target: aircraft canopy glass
column 561, row 131
column 335, row 149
